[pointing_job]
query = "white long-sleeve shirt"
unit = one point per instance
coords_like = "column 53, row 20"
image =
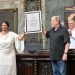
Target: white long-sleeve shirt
column 72, row 39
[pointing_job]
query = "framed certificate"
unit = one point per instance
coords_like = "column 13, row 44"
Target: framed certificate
column 33, row 22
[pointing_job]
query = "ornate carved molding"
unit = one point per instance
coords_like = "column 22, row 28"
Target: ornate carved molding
column 32, row 5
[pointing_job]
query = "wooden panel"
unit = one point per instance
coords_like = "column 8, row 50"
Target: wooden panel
column 40, row 64
column 33, row 64
column 24, row 68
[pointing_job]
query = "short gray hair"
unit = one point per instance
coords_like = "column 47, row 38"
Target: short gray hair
column 57, row 18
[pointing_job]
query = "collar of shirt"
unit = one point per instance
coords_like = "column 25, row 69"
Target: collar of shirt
column 56, row 29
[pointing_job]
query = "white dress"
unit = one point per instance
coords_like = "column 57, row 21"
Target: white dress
column 8, row 43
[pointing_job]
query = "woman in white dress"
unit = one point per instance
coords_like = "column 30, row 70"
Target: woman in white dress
column 8, row 42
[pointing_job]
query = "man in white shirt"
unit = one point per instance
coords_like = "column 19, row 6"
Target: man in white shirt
column 71, row 25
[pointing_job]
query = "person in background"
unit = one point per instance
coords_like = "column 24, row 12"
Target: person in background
column 59, row 45
column 71, row 30
column 8, row 42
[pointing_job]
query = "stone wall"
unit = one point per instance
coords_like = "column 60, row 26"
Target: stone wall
column 11, row 4
column 55, row 7
column 48, row 8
